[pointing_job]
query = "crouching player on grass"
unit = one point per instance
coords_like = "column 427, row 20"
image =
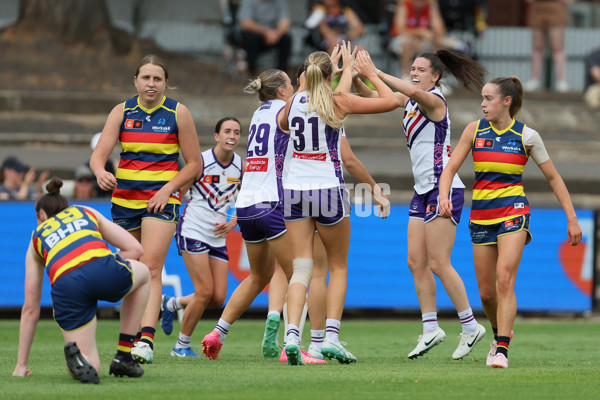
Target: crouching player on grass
column 71, row 243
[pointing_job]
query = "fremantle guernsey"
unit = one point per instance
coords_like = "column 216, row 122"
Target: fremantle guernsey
column 428, row 143
column 69, row 240
column 499, row 158
column 149, row 138
column 313, row 158
column 267, row 145
column 211, row 196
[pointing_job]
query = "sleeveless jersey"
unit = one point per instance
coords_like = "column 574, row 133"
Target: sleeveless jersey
column 210, row 198
column 414, row 19
column 313, row 158
column 267, row 145
column 500, row 158
column 150, row 155
column 68, row 240
column 428, row 143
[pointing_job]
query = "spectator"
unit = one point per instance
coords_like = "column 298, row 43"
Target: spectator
column 265, row 24
column 467, row 18
column 331, row 22
column 418, row 27
column 548, row 19
column 592, row 79
column 83, row 185
column 16, row 182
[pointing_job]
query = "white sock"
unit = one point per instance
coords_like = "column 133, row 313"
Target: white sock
column 430, row 322
column 274, row 312
column 332, row 330
column 468, row 321
column 316, row 338
column 223, row 329
column 183, row 341
column 292, row 331
column 174, row 304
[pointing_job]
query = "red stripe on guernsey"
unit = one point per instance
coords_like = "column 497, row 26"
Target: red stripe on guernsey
column 137, row 194
column 92, row 216
column 137, row 165
column 499, row 157
column 494, row 213
column 149, row 137
column 412, row 126
column 493, row 185
column 79, row 250
column 208, row 191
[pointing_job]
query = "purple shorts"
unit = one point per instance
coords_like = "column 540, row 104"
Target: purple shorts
column 425, row 206
column 193, row 246
column 326, row 206
column 262, row 221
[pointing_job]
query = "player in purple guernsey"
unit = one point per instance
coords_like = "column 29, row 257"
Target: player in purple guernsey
column 314, row 187
column 430, row 239
column 202, row 232
column 499, row 226
column 258, row 204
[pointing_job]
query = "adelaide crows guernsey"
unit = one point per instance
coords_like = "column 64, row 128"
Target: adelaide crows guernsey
column 149, row 138
column 69, row 240
column 210, row 198
column 500, row 158
column 428, row 143
column 267, row 145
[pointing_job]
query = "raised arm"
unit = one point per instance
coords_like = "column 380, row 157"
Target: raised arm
column 386, row 100
column 460, row 153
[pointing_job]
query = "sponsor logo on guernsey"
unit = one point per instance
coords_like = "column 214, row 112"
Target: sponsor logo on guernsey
column 231, row 179
column 484, row 132
column 257, row 165
column 265, row 106
column 519, row 205
column 134, row 123
column 511, row 149
column 132, row 112
column 311, row 156
column 431, row 179
column 211, row 179
column 148, row 118
column 484, row 143
column 302, row 99
column 412, row 113
column 176, row 194
column 430, row 208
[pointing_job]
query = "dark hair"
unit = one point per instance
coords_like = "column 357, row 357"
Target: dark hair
column 512, row 87
column 52, row 202
column 301, row 69
column 155, row 60
column 224, row 119
column 266, row 84
column 467, row 71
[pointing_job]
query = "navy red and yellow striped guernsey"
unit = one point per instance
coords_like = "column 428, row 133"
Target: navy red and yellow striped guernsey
column 69, row 240
column 149, row 138
column 500, row 158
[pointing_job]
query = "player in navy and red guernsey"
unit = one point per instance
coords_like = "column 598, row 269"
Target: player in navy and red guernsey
column 152, row 129
column 499, row 225
column 71, row 244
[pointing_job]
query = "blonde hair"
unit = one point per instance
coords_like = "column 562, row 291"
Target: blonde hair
column 266, row 84
column 318, row 67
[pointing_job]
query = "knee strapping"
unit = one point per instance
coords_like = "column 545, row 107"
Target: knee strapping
column 302, row 271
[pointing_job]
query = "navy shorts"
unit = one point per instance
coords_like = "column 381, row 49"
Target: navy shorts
column 426, row 206
column 489, row 234
column 326, row 206
column 193, row 246
column 262, row 221
column 131, row 219
column 75, row 294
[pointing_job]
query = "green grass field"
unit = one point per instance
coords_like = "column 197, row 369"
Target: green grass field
column 549, row 359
